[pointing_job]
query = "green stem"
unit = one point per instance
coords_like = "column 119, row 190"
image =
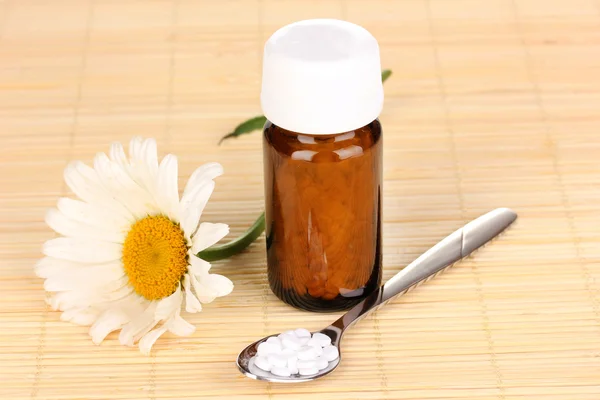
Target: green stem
column 386, row 73
column 237, row 245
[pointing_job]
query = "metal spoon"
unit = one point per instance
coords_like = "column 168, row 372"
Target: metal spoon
column 453, row 248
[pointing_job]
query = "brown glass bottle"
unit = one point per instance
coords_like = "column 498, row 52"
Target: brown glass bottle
column 323, row 216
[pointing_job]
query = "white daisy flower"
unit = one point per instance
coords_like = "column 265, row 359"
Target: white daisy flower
column 127, row 256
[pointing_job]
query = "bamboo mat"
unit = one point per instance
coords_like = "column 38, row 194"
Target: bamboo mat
column 492, row 103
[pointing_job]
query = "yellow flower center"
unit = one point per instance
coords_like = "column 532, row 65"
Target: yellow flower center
column 155, row 256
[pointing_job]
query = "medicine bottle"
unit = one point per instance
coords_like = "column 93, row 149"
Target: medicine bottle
column 322, row 94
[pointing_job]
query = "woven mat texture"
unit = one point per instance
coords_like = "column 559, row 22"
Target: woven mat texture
column 492, row 103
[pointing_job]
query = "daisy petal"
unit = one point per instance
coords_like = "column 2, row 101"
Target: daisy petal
column 219, row 283
column 150, row 338
column 139, row 325
column 80, row 316
column 197, row 265
column 207, row 235
column 192, row 304
column 149, row 159
column 180, row 327
column 206, row 172
column 90, row 276
column 84, row 298
column 84, row 251
column 141, row 168
column 150, row 155
column 92, row 215
column 117, row 154
column 168, row 196
column 142, row 171
column 49, row 266
column 85, row 190
column 135, row 146
column 123, row 187
column 65, row 226
column 109, row 321
column 204, row 293
column 84, row 182
column 192, row 206
column 143, row 331
column 109, row 288
column 167, row 306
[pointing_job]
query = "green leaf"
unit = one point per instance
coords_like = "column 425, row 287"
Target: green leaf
column 386, row 73
column 248, row 126
column 234, row 247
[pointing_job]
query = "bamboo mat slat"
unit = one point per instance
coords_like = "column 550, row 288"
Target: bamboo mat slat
column 492, row 103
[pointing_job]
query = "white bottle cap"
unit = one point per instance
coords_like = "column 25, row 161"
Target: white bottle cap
column 321, row 76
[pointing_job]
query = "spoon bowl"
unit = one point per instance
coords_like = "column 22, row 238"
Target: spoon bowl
column 245, row 361
column 454, row 247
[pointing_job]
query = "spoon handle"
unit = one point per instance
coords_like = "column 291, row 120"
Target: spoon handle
column 451, row 249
